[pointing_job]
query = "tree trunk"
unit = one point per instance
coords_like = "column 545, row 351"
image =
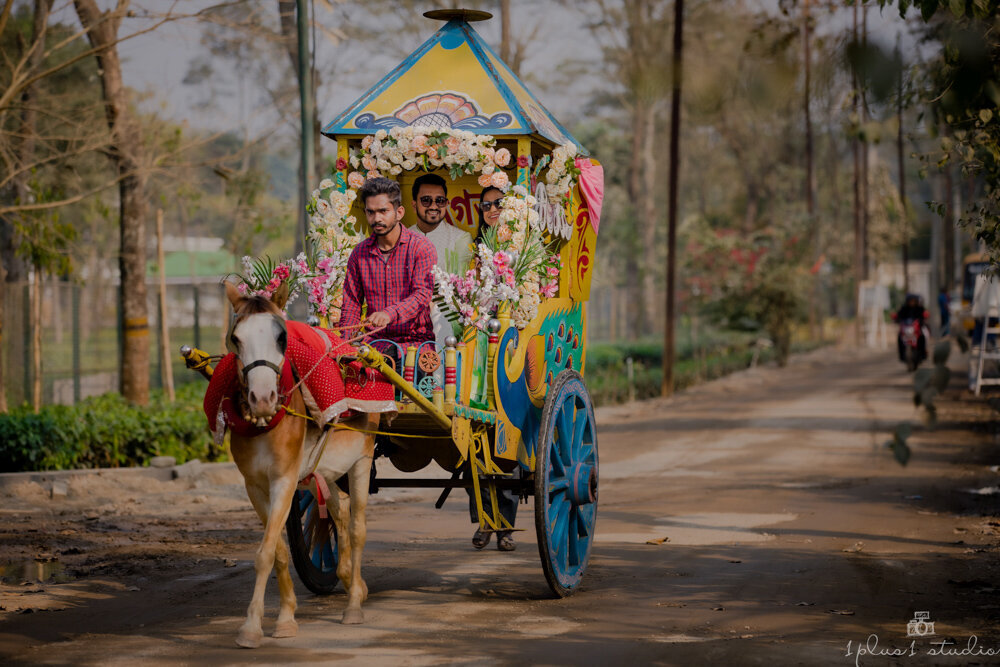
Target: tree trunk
column 667, row 387
column 36, row 339
column 635, row 321
column 864, row 155
column 505, row 46
column 3, row 343
column 810, row 181
column 903, row 210
column 948, row 269
column 648, row 218
column 127, row 154
column 859, row 255
column 25, row 154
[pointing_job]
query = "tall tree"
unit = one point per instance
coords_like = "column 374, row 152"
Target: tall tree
column 677, row 77
column 127, row 154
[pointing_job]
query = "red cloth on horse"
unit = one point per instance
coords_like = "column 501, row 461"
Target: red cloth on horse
column 312, row 354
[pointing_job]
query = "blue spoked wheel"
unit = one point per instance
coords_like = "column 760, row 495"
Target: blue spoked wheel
column 566, row 483
column 313, row 543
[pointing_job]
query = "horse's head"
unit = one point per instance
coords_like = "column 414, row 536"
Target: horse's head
column 258, row 338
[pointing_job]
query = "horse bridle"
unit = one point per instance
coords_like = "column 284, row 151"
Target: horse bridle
column 246, row 368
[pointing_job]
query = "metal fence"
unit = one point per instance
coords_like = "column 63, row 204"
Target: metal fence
column 82, row 334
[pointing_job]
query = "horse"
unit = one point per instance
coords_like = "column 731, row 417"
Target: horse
column 272, row 464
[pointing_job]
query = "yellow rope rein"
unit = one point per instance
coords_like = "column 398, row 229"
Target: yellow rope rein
column 345, row 427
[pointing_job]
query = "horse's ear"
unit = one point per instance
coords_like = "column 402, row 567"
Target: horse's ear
column 233, row 294
column 280, row 296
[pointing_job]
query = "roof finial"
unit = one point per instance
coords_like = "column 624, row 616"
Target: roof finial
column 465, row 15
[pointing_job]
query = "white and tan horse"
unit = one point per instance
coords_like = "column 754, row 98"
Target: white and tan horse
column 272, row 465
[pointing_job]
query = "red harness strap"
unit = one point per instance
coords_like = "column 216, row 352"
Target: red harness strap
column 322, row 492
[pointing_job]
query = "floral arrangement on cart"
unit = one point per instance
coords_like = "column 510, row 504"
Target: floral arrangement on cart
column 516, row 263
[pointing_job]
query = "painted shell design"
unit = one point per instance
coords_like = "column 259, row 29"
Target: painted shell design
column 440, row 110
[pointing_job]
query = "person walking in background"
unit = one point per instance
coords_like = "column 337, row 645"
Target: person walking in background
column 944, row 305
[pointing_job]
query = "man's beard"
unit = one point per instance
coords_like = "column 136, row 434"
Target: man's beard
column 432, row 223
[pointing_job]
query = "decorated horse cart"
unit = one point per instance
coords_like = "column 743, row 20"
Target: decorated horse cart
column 501, row 403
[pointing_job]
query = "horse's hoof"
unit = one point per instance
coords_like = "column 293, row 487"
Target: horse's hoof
column 353, row 617
column 285, row 629
column 249, row 639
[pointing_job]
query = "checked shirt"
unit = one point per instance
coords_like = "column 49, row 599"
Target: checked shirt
column 401, row 286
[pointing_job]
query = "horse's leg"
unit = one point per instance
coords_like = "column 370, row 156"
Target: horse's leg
column 360, row 476
column 340, row 512
column 286, row 625
column 275, row 512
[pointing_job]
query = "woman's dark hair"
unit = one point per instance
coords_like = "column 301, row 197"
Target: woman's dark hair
column 482, row 220
column 381, row 186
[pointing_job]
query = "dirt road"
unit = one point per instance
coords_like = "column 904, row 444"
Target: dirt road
column 792, row 536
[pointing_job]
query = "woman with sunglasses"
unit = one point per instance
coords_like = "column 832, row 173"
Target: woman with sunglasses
column 489, row 216
column 489, row 210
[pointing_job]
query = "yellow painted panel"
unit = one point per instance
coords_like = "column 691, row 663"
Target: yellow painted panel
column 439, row 70
column 578, row 253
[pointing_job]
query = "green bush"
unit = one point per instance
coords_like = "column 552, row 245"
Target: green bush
column 720, row 354
column 106, row 431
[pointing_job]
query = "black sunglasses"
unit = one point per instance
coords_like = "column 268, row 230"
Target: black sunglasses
column 427, row 200
column 487, row 205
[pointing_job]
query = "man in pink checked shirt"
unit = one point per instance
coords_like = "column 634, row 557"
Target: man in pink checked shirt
column 390, row 271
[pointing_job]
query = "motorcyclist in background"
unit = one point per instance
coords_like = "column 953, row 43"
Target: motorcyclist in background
column 912, row 309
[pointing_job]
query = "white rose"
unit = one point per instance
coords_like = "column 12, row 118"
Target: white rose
column 409, row 164
column 325, row 183
column 395, row 170
column 571, row 149
column 488, row 168
column 380, row 135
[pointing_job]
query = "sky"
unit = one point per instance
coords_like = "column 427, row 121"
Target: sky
column 556, row 68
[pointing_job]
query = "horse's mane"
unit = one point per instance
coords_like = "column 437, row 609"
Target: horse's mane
column 257, row 304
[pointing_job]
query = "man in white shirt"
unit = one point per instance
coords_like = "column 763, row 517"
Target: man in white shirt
column 454, row 252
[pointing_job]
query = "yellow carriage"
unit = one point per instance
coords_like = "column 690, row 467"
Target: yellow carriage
column 511, row 394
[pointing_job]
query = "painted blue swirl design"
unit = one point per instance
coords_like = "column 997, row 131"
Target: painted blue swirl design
column 497, row 121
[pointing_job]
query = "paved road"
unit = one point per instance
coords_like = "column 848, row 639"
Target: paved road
column 792, row 536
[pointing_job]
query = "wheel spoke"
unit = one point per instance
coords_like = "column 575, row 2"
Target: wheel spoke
column 557, row 484
column 572, row 538
column 584, row 520
column 566, row 432
column 559, row 511
column 582, row 419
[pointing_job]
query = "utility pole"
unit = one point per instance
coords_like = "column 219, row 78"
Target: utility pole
column 902, row 172
column 308, row 166
column 667, row 387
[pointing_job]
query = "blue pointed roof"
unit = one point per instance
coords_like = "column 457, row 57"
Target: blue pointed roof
column 453, row 80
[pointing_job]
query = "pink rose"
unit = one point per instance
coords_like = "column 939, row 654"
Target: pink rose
column 369, row 162
column 374, row 173
column 453, row 144
column 366, row 143
column 498, row 179
column 341, row 164
column 420, row 143
column 486, row 180
column 502, row 157
column 356, row 179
